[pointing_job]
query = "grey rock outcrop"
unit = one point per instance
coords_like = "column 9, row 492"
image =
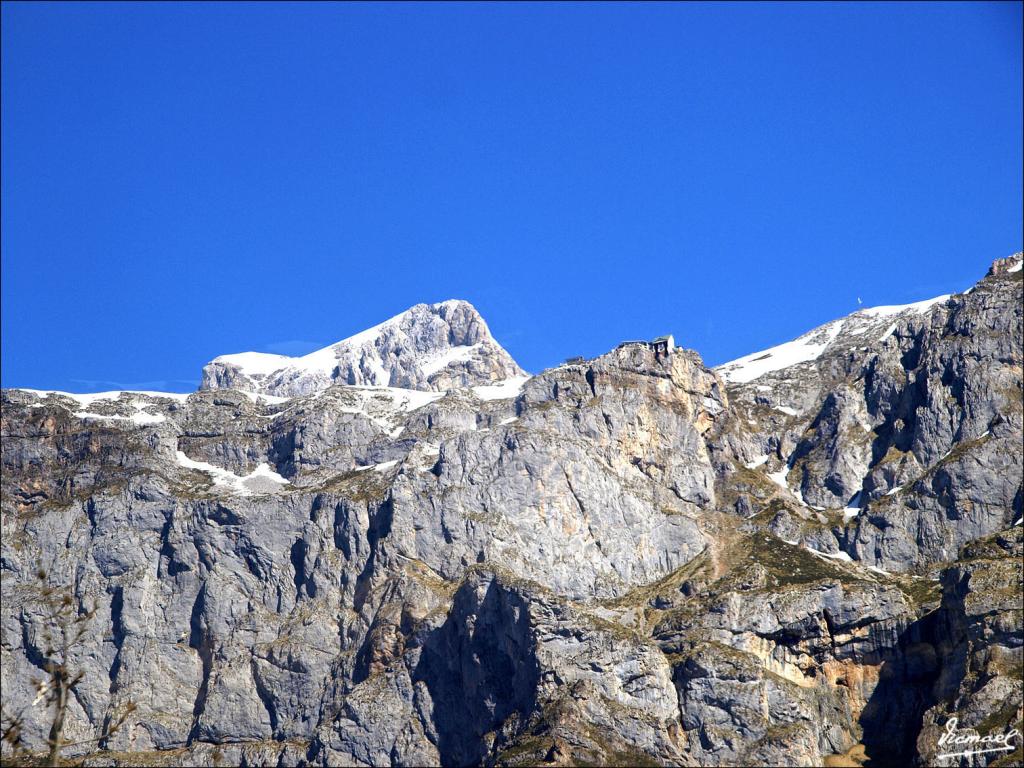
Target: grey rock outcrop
column 980, row 688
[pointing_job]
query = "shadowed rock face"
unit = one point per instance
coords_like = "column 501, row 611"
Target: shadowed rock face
column 627, row 560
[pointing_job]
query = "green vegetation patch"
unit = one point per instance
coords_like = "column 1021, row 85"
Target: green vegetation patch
column 790, row 565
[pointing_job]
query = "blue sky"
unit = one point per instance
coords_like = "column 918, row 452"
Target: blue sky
column 181, row 181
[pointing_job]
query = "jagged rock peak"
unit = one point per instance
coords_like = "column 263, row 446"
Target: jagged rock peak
column 1007, row 266
column 431, row 347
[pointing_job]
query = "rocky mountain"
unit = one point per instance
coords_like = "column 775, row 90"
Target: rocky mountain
column 430, row 346
column 402, row 550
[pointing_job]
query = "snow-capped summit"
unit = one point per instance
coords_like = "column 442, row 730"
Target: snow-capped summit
column 428, row 347
column 864, row 327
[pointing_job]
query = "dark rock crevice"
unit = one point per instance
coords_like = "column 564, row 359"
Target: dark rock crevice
column 381, row 517
column 892, row 717
column 480, row 670
column 200, row 641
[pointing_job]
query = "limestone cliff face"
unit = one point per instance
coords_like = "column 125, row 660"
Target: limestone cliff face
column 908, row 420
column 632, row 559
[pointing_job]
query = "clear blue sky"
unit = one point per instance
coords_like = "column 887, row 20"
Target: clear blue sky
column 181, row 181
